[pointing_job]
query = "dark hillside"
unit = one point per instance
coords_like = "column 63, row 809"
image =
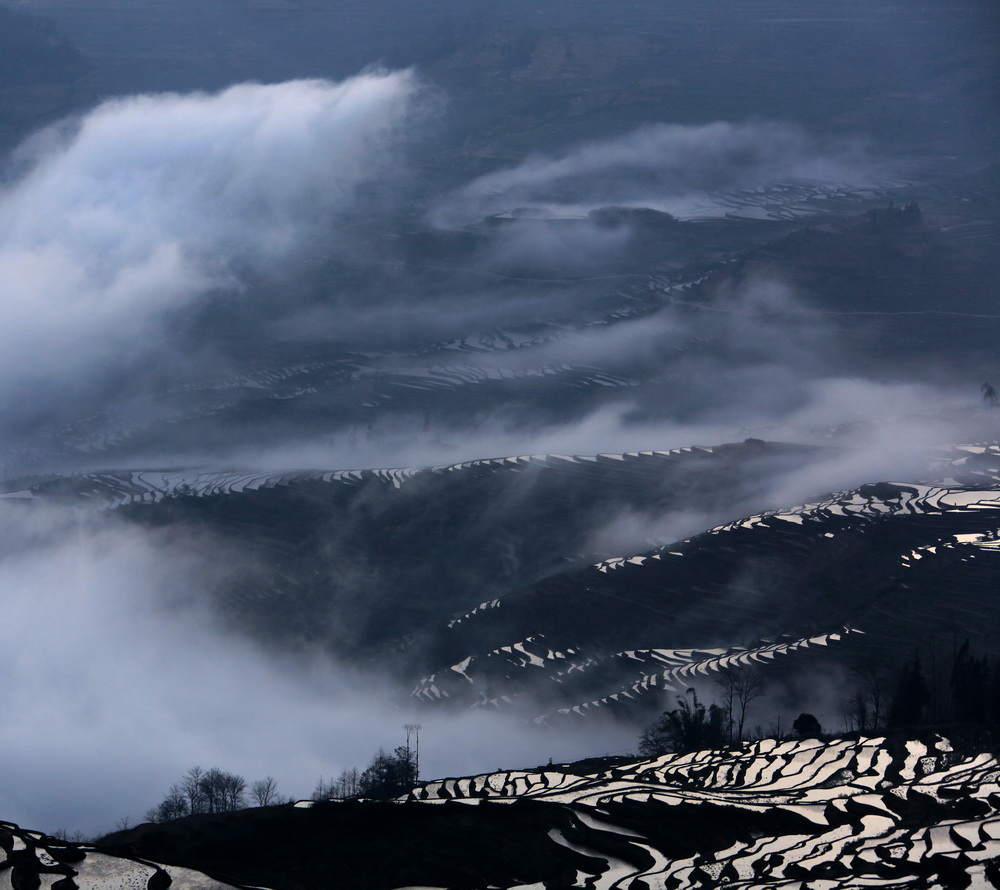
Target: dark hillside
column 375, row 844
column 869, row 574
column 360, row 561
column 900, row 288
column 472, row 585
column 899, row 813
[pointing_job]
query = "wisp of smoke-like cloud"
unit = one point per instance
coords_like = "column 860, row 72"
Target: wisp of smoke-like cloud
column 148, row 203
column 667, row 166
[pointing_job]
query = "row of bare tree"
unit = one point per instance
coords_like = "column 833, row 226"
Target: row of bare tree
column 216, row 791
column 967, row 692
column 213, row 791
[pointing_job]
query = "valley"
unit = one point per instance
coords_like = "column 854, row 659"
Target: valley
column 612, row 387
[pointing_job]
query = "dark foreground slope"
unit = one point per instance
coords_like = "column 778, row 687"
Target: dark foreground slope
column 874, row 812
column 30, row 859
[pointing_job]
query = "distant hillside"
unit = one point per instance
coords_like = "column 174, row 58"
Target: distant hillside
column 477, row 585
column 42, row 74
column 558, row 72
column 894, row 282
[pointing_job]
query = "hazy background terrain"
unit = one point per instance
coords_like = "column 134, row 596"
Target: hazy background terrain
column 285, row 234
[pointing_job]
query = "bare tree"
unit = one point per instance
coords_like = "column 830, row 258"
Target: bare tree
column 201, row 791
column 728, row 685
column 211, row 787
column 75, row 837
column 857, row 712
column 864, row 709
column 740, row 687
column 191, row 787
column 325, row 790
column 221, row 792
column 173, row 806
column 232, row 792
column 347, row 783
column 870, row 700
column 413, row 729
column 264, row 791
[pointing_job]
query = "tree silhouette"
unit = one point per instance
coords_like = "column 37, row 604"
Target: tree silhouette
column 388, row 774
column 264, row 791
column 911, row 696
column 868, row 704
column 740, row 686
column 689, row 727
column 807, row 726
column 201, row 791
column 969, row 685
column 194, row 794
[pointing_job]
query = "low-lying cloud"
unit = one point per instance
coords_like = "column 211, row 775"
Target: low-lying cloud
column 148, row 204
column 118, row 677
column 671, row 167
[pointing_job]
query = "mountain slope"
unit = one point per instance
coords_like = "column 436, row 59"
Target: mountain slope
column 872, row 573
column 433, row 577
column 895, row 813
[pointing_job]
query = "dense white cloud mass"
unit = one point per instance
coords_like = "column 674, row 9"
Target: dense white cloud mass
column 672, row 167
column 150, row 202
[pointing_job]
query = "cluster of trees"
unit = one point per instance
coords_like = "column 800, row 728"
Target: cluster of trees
column 387, row 775
column 692, row 725
column 213, row 791
column 217, row 791
column 347, row 784
column 975, row 687
column 967, row 692
column 879, row 699
column 893, row 217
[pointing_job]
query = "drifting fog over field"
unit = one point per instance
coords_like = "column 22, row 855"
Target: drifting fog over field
column 126, row 679
column 128, row 224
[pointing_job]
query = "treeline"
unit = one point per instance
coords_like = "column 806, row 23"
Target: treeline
column 962, row 688
column 692, row 725
column 387, row 775
column 893, row 217
column 213, row 791
column 965, row 691
column 218, row 791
